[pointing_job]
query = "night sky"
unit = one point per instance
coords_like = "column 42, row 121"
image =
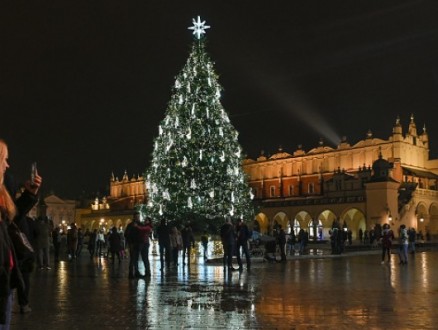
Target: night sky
column 84, row 84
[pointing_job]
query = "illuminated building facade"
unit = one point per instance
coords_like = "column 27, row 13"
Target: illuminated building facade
column 117, row 208
column 60, row 211
column 374, row 181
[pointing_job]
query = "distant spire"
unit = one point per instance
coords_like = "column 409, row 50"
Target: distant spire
column 412, row 127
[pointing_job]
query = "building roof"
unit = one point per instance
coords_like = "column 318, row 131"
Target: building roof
column 407, row 170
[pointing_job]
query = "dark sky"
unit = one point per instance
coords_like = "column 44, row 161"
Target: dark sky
column 84, row 84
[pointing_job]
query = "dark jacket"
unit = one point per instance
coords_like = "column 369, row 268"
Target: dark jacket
column 9, row 279
column 188, row 238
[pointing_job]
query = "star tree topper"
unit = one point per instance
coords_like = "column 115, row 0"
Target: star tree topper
column 198, row 27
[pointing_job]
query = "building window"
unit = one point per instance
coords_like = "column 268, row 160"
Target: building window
column 272, row 191
column 311, row 188
column 291, row 190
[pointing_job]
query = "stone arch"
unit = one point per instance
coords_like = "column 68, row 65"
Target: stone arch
column 301, row 220
column 262, row 222
column 354, row 219
column 432, row 225
column 325, row 219
column 422, row 219
column 282, row 219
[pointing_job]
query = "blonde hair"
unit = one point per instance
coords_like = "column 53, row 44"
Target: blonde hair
column 7, row 205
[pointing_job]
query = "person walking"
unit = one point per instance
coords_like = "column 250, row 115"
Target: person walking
column 175, row 244
column 188, row 241
column 100, row 243
column 56, row 241
column 163, row 233
column 92, row 243
column 81, row 237
column 282, row 243
column 115, row 244
column 204, row 242
column 131, row 238
column 387, row 238
column 44, row 228
column 243, row 235
column 145, row 231
column 403, row 245
column 412, row 236
column 228, row 243
column 72, row 241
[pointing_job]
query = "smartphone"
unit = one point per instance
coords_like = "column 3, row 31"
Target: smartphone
column 33, row 173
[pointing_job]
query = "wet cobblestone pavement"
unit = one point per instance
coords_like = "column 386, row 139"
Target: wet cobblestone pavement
column 353, row 291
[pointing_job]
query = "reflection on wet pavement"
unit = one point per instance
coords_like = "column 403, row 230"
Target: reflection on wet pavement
column 352, row 292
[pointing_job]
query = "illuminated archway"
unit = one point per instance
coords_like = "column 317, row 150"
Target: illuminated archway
column 421, row 217
column 354, row 219
column 280, row 219
column 301, row 220
column 431, row 226
column 325, row 222
column 262, row 221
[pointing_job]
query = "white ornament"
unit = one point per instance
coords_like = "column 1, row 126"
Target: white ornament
column 177, row 84
column 189, row 134
column 222, row 158
column 200, row 154
column 193, row 110
column 189, row 203
column 221, row 132
column 251, row 195
column 198, row 27
column 193, row 184
column 211, row 193
column 181, row 100
column 184, row 162
column 160, row 130
column 161, row 210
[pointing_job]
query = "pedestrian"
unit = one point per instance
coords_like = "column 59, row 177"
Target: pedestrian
column 188, row 241
column 131, row 238
column 114, row 244
column 92, row 243
column 228, row 243
column 291, row 243
column 56, row 241
column 44, row 228
column 282, row 243
column 72, row 241
column 145, row 231
column 243, row 235
column 163, row 233
column 302, row 240
column 412, row 234
column 122, row 242
column 175, row 244
column 360, row 235
column 80, row 242
column 204, row 242
column 100, row 243
column 13, row 214
column 403, row 244
column 387, row 238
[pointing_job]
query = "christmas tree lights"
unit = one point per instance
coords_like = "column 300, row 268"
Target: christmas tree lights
column 195, row 172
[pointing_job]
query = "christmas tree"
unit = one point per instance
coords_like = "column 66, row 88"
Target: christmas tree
column 195, row 172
